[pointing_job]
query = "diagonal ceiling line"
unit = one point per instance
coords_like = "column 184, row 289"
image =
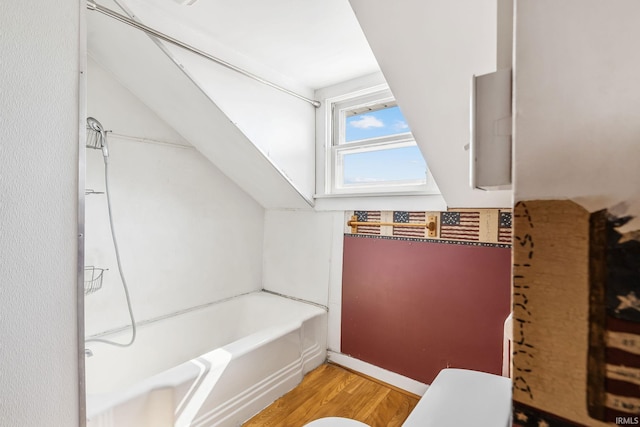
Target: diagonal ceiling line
column 155, row 33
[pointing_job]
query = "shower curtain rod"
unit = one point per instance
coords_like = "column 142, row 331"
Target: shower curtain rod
column 94, row 6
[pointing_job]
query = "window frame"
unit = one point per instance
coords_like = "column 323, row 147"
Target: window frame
column 336, row 148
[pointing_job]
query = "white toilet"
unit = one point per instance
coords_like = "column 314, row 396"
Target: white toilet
column 457, row 397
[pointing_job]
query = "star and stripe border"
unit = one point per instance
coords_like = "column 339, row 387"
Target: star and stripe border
column 481, row 227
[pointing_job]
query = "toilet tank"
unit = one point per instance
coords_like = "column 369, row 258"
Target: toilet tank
column 460, row 397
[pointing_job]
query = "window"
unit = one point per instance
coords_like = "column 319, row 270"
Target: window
column 372, row 149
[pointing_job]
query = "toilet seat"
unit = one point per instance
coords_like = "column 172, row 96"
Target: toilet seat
column 335, row 422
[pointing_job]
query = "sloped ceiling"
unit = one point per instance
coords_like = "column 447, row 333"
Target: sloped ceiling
column 312, row 43
column 262, row 139
column 428, row 51
column 150, row 74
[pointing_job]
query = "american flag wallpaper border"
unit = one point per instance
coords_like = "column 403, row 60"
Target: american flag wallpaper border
column 475, row 227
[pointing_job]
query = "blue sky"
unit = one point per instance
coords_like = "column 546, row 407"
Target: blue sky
column 388, row 121
column 395, row 164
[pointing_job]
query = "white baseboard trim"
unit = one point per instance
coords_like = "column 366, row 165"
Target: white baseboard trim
column 396, row 380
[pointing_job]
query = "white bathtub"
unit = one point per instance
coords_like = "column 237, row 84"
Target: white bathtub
column 214, row 366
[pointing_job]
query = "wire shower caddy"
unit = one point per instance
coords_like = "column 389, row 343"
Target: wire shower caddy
column 93, row 279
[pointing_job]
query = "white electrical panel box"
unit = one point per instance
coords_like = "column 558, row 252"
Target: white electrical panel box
column 490, row 145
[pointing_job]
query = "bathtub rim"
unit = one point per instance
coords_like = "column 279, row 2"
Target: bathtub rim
column 141, row 323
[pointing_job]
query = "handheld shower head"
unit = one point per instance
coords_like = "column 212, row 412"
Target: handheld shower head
column 94, row 124
column 97, row 136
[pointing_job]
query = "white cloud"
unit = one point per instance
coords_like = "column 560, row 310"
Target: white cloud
column 400, row 125
column 367, row 122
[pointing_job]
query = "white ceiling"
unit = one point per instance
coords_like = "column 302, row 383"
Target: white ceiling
column 314, row 43
column 151, row 75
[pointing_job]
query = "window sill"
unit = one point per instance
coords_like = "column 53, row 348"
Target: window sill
column 408, row 201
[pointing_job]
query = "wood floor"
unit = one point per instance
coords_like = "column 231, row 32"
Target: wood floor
column 332, row 391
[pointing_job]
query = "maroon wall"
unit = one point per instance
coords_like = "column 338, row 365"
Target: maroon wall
column 416, row 307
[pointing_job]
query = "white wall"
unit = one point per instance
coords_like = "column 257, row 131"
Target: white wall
column 577, row 131
column 155, row 79
column 39, row 78
column 428, row 51
column 282, row 127
column 122, row 113
column 303, row 253
column 303, row 259
column 187, row 234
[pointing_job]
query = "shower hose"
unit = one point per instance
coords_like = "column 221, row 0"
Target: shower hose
column 119, row 263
